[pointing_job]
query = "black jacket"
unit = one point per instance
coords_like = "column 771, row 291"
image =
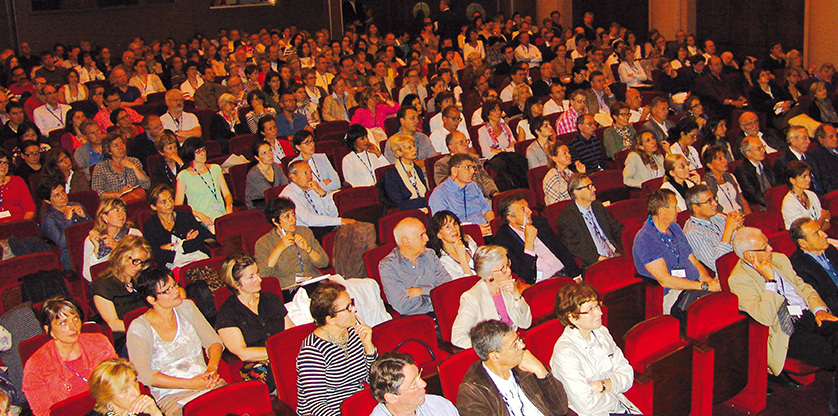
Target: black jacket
column 812, row 273
column 576, row 237
column 824, row 166
column 523, row 264
column 769, row 136
column 746, row 175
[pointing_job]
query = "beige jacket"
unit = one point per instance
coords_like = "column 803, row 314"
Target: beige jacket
column 476, row 305
column 763, row 305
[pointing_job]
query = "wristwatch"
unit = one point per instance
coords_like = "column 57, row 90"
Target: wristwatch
column 705, row 286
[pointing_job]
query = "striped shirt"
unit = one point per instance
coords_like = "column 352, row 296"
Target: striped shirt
column 325, row 378
column 705, row 238
column 589, row 152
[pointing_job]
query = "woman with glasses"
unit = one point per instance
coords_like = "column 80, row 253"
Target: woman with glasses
column 682, row 137
column 202, row 184
column 30, row 152
column 495, row 296
column 321, row 167
column 167, row 343
column 113, row 294
column 109, row 228
column 618, row 137
column 335, row 359
column 59, row 369
column 248, row 318
column 591, row 367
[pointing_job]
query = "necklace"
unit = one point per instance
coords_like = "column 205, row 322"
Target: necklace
column 342, row 343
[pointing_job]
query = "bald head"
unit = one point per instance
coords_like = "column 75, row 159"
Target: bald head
column 749, row 122
column 633, row 99
column 753, row 149
column 747, row 239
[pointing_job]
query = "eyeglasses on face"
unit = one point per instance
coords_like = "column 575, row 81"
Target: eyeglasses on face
column 350, row 307
column 598, row 306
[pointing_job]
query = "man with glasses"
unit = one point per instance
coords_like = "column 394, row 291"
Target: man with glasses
column 459, row 143
column 661, row 252
column 587, row 229
column 184, row 125
column 315, row 208
column 50, row 116
column 754, row 174
column 449, row 120
column 37, row 99
column 461, row 195
column 508, row 378
column 129, row 94
column 708, row 231
column 112, row 103
column 586, row 147
column 749, row 122
column 533, row 248
column 396, row 383
column 578, row 106
column 411, row 270
column 799, row 324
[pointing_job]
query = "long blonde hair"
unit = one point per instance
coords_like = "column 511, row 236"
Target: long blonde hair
column 121, row 255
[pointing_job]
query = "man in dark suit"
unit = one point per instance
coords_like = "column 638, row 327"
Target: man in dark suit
column 658, row 123
column 797, row 139
column 586, row 228
column 720, row 91
column 815, row 260
column 754, row 174
column 749, row 122
column 533, row 249
column 824, row 158
column 448, row 26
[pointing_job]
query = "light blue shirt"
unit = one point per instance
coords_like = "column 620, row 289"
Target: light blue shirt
column 322, row 170
column 312, row 209
column 467, row 203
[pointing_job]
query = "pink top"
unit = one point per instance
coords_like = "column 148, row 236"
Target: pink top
column 47, row 380
column 364, row 117
column 501, row 307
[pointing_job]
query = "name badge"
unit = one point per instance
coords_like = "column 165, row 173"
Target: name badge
column 5, row 213
column 795, row 310
column 539, row 275
column 679, row 273
column 217, row 207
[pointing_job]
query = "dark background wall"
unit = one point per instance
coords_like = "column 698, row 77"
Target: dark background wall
column 634, row 15
column 749, row 27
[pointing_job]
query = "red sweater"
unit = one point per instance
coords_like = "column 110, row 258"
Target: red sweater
column 47, row 380
column 16, row 199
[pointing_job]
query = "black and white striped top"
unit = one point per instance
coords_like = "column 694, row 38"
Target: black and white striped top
column 325, row 378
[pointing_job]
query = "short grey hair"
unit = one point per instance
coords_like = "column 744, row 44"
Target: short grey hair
column 226, row 98
column 795, row 129
column 294, row 166
column 693, row 196
column 575, row 183
column 486, row 257
column 487, row 337
column 747, row 144
column 745, row 240
column 402, row 228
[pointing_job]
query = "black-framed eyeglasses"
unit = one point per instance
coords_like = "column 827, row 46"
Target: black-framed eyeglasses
column 713, row 199
column 347, row 308
column 764, row 249
column 138, row 262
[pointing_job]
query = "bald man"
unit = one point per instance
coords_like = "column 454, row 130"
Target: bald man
column 411, row 270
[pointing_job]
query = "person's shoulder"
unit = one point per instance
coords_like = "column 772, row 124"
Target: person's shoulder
column 438, row 402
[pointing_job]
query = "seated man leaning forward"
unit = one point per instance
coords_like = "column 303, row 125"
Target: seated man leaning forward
column 411, row 271
column 508, row 378
column 533, row 248
column 396, row 382
column 661, row 252
column 799, row 323
column 461, row 195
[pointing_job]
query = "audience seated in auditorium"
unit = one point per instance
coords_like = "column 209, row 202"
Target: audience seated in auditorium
column 202, row 185
column 183, row 124
column 315, row 207
column 658, row 123
column 119, row 175
column 451, row 244
column 708, row 231
column 823, row 158
column 113, row 385
column 461, row 195
column 661, row 252
column 58, row 214
column 586, row 146
column 754, row 174
column 176, row 237
column 396, row 383
column 585, row 227
column 749, row 122
column 800, row 201
column 646, row 159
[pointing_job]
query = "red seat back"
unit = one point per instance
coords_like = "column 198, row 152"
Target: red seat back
column 528, row 195
column 774, row 197
column 520, row 147
column 19, row 228
column 473, row 231
column 535, row 177
column 228, row 399
column 651, row 338
column 77, row 405
column 331, row 127
column 238, row 177
column 89, row 199
column 131, row 316
column 725, row 265
column 651, row 185
column 711, row 313
column 542, row 296
column 231, row 224
column 75, row 235
column 283, row 349
column 620, row 157
column 629, row 212
column 387, row 224
column 770, row 222
column 371, row 260
column 251, row 235
column 541, row 340
column 272, row 193
column 429, row 168
column 414, row 335
column 243, row 145
column 359, row 404
column 552, row 212
column 446, row 300
column 607, row 179
column 351, row 198
column 628, row 238
column 17, row 267
column 783, row 243
column 452, row 371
